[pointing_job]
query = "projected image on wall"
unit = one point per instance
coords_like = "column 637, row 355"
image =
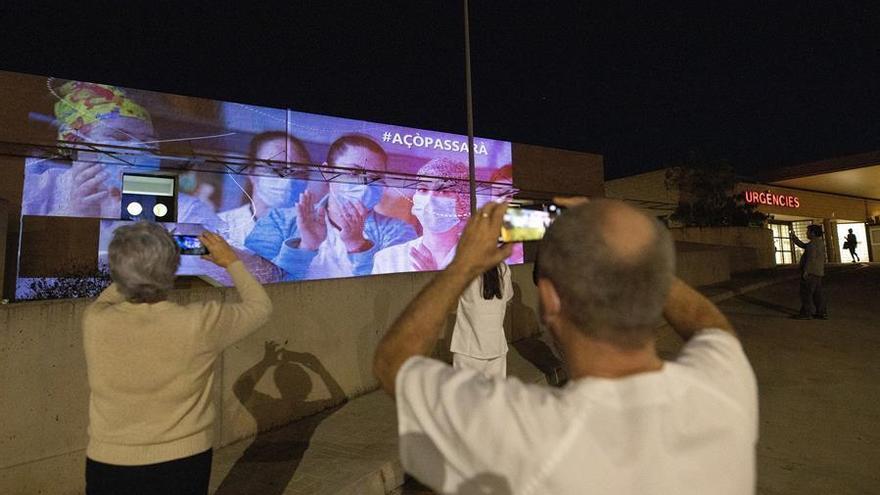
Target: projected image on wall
column 300, row 196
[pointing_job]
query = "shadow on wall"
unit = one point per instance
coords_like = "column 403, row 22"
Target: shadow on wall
column 270, row 462
column 522, row 319
column 532, row 347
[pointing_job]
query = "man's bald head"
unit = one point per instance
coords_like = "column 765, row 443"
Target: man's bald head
column 612, row 267
column 627, row 231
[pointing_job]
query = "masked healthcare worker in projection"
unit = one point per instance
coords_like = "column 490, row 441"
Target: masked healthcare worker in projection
column 442, row 209
column 336, row 235
column 91, row 187
column 267, row 193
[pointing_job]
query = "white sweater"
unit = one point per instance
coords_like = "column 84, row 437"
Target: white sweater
column 151, row 370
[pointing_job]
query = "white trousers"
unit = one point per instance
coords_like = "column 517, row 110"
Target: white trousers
column 488, row 367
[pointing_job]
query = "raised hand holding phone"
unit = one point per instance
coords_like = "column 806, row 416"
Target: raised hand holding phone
column 478, row 248
column 219, row 251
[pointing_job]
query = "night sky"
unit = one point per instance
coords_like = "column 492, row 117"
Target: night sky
column 762, row 84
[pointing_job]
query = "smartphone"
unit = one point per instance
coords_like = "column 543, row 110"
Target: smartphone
column 527, row 223
column 190, row 245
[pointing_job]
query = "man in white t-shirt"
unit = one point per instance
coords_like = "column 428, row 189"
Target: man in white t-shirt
column 627, row 422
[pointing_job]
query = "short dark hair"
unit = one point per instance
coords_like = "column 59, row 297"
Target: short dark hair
column 816, row 230
column 354, row 140
column 265, row 137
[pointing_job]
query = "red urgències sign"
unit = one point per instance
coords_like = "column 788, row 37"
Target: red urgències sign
column 770, row 199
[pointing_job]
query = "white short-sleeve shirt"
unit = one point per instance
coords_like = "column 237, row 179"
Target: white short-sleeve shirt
column 689, row 428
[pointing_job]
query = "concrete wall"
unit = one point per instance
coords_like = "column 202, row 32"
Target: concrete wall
column 701, row 264
column 44, row 390
column 545, row 172
column 748, row 248
column 649, row 186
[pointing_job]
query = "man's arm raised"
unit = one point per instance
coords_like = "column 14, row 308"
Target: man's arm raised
column 416, row 330
column 688, row 311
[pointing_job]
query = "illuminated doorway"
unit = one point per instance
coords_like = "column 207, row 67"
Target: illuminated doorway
column 861, row 234
column 785, row 254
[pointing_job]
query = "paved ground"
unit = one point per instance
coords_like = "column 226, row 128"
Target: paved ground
column 819, row 385
column 350, row 449
column 820, row 406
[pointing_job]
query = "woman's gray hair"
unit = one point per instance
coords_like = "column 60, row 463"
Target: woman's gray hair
column 143, row 261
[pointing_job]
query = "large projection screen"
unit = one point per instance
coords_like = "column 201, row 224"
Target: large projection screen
column 347, row 209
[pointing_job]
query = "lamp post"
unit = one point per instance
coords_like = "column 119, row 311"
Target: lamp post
column 472, row 171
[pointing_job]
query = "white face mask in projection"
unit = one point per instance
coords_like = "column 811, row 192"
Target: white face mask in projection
column 368, row 195
column 274, row 192
column 436, row 213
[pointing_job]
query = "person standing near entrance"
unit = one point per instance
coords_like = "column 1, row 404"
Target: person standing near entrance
column 478, row 340
column 813, row 304
column 851, row 243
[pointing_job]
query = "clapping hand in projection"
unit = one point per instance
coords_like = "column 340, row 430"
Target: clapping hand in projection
column 311, row 222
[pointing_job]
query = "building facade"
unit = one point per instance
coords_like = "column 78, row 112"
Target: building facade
column 840, row 195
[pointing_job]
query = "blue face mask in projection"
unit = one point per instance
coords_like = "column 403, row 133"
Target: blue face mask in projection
column 435, row 213
column 275, row 192
column 367, row 195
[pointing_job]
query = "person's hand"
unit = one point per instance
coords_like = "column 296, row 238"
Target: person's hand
column 570, row 201
column 353, row 216
column 478, row 248
column 422, row 259
column 87, row 187
column 311, row 223
column 219, row 251
column 272, row 352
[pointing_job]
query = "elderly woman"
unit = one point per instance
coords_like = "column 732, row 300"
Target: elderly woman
column 151, row 365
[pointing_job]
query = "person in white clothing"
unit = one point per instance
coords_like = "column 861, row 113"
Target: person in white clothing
column 478, row 340
column 627, row 422
column 441, row 208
